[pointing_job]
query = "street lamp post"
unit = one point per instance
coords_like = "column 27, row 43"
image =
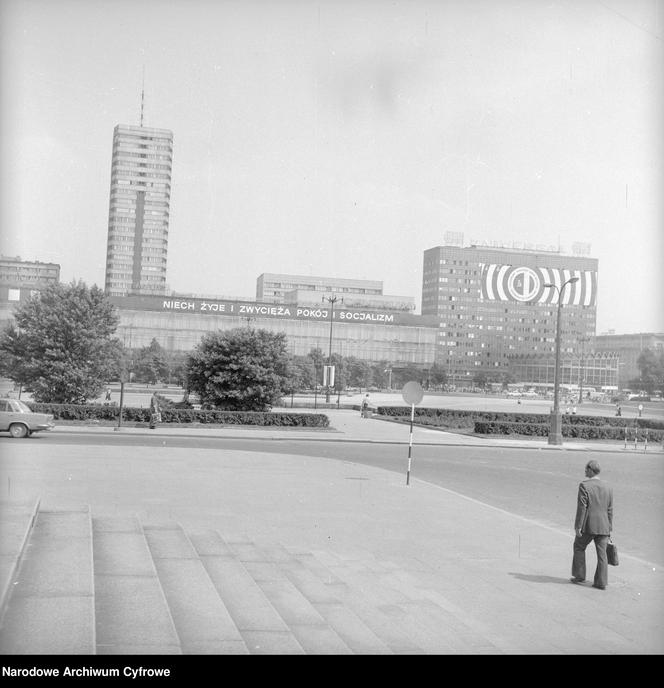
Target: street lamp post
column 331, row 300
column 556, row 429
column 582, row 369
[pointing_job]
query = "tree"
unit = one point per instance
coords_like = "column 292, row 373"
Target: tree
column 60, row 346
column 151, row 363
column 177, row 368
column 301, row 373
column 651, row 371
column 241, row 369
column 318, row 360
column 360, row 372
column 380, row 375
column 408, row 373
column 481, row 380
column 506, row 379
column 437, row 376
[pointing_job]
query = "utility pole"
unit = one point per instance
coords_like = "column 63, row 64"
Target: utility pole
column 555, row 432
column 331, row 300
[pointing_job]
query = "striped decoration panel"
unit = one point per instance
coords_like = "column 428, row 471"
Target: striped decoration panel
column 520, row 283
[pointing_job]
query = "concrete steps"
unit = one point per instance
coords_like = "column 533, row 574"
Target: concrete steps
column 16, row 522
column 51, row 606
column 133, row 615
column 82, row 584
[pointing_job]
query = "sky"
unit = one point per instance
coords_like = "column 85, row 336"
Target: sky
column 343, row 138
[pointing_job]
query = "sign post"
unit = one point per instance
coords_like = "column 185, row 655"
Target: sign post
column 412, row 394
column 123, row 379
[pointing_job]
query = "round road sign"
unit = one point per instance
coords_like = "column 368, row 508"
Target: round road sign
column 412, row 392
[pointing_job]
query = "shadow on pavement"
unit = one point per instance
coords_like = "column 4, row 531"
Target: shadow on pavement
column 539, row 579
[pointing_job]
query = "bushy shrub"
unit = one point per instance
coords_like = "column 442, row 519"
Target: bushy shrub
column 572, row 430
column 457, row 418
column 173, row 415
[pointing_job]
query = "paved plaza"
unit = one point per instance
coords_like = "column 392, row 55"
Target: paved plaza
column 425, row 569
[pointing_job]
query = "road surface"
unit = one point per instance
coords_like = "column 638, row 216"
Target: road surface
column 535, row 484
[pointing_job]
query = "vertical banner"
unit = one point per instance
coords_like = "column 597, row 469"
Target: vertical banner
column 328, row 376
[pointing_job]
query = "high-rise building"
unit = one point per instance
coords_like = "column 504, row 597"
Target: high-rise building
column 310, row 291
column 138, row 215
column 494, row 308
column 17, row 273
column 629, row 347
column 22, row 280
column 273, row 287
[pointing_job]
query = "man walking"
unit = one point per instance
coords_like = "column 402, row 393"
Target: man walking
column 594, row 521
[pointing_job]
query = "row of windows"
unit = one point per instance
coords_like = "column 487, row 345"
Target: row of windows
column 157, row 230
column 126, row 192
column 314, row 287
column 127, row 146
column 147, row 222
column 120, row 192
column 126, row 210
column 156, row 276
column 126, row 251
column 123, row 163
column 121, row 135
column 141, row 185
column 125, row 152
column 129, row 205
column 148, row 244
column 126, row 173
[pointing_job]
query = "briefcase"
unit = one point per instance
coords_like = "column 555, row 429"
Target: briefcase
column 612, row 553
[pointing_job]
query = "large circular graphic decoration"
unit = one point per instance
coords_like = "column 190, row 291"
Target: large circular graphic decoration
column 523, row 284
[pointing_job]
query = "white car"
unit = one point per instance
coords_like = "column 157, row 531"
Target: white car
column 17, row 418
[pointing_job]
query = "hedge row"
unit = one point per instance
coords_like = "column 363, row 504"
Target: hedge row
column 174, row 415
column 586, row 432
column 457, row 418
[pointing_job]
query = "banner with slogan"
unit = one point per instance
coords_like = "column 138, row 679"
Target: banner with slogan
column 186, row 305
column 521, row 283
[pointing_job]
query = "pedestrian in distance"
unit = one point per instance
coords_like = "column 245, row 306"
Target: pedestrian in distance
column 593, row 522
column 618, row 410
column 155, row 411
column 364, row 409
column 108, row 394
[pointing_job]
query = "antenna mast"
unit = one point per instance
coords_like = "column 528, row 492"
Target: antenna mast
column 142, row 95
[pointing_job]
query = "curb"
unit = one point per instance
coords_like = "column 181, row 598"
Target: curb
column 497, row 444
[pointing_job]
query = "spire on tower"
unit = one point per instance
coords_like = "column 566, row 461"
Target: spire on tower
column 142, row 95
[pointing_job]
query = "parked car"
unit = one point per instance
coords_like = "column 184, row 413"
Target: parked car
column 639, row 397
column 18, row 419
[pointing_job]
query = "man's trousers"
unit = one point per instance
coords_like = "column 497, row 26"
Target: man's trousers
column 579, row 559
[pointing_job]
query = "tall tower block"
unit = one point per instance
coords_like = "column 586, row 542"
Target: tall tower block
column 138, row 216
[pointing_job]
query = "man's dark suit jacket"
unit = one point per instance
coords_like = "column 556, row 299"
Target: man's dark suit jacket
column 594, row 510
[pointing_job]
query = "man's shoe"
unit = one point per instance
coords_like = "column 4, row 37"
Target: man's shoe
column 577, row 580
column 600, row 587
